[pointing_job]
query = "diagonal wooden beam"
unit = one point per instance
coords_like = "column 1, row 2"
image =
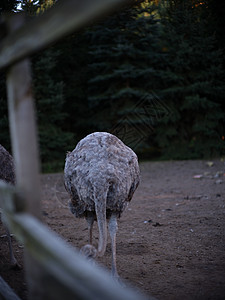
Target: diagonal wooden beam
column 11, row 200
column 62, row 19
column 6, row 292
column 25, row 151
column 81, row 279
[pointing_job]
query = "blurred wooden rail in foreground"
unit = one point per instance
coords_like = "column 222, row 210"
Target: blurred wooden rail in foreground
column 62, row 19
column 65, row 272
column 53, row 269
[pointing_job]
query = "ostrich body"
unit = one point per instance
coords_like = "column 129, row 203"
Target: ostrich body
column 7, row 173
column 101, row 175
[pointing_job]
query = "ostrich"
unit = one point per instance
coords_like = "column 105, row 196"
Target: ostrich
column 7, row 173
column 101, row 175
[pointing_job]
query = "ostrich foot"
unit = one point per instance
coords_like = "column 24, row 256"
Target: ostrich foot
column 15, row 266
column 89, row 251
column 14, row 263
column 118, row 280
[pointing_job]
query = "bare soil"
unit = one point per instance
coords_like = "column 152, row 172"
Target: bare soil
column 171, row 239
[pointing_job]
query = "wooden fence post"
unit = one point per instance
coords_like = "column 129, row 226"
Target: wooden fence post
column 25, row 149
column 23, row 128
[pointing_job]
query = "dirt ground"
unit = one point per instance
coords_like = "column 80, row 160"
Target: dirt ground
column 171, row 239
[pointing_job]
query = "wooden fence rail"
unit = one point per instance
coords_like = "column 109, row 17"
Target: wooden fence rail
column 65, row 17
column 67, row 273
column 53, row 269
column 6, row 292
column 58, row 259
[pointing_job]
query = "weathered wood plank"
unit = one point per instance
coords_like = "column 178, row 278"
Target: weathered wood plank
column 6, row 196
column 25, row 151
column 6, row 292
column 23, row 129
column 11, row 199
column 80, row 279
column 60, row 20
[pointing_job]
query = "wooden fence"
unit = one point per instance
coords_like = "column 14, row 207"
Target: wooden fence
column 53, row 269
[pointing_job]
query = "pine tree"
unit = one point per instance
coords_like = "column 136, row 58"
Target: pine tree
column 72, row 69
column 124, row 58
column 193, row 87
column 54, row 142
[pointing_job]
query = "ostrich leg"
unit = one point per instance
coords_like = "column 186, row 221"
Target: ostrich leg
column 90, row 221
column 100, row 208
column 89, row 251
column 112, row 231
column 13, row 262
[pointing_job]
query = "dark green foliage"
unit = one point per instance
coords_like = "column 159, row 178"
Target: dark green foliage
column 124, row 56
column 193, row 87
column 152, row 76
column 54, row 142
column 72, row 70
column 156, row 83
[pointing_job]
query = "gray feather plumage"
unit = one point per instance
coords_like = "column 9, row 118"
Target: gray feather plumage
column 7, row 171
column 101, row 163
